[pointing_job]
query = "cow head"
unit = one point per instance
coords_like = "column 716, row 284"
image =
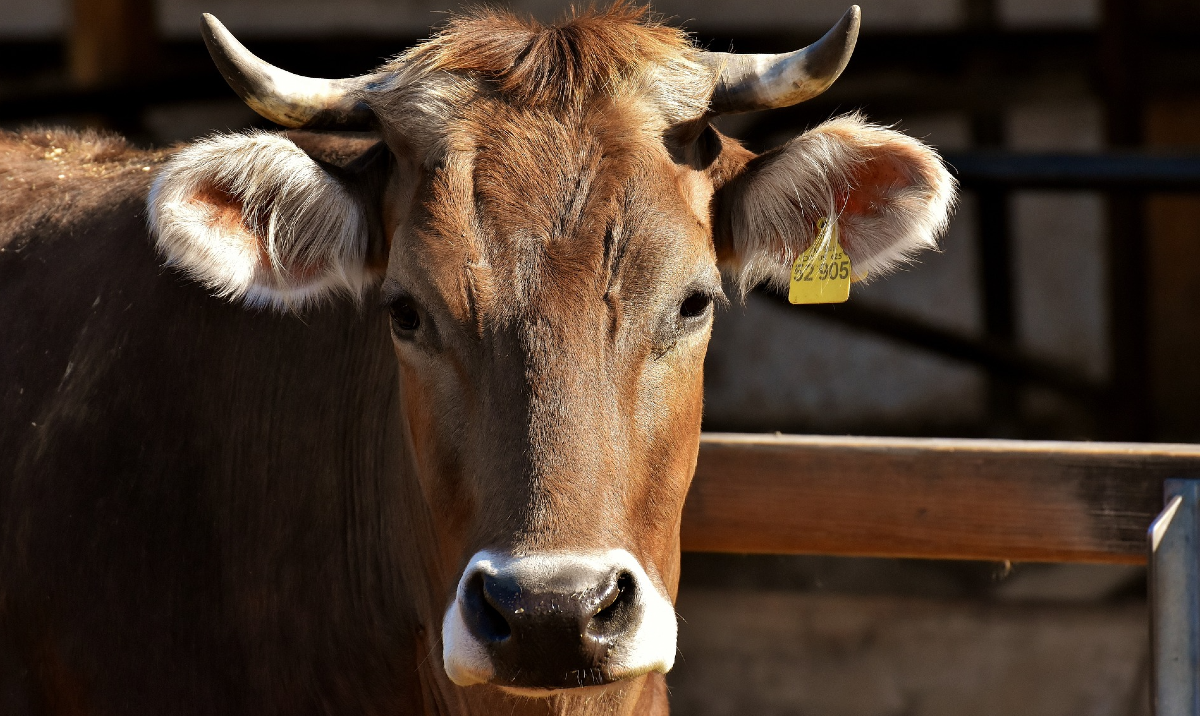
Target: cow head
column 547, row 220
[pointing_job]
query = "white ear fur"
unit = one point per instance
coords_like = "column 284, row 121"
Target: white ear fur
column 771, row 210
column 252, row 217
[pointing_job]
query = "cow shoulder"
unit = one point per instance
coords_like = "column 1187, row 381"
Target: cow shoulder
column 55, row 180
column 272, row 219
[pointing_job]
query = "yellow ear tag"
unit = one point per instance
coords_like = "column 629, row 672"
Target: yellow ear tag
column 822, row 274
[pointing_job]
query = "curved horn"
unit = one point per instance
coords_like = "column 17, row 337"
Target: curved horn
column 282, row 97
column 752, row 82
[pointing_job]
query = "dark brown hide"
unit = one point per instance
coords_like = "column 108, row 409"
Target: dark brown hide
column 198, row 504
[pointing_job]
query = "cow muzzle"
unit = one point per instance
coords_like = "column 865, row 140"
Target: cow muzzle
column 538, row 623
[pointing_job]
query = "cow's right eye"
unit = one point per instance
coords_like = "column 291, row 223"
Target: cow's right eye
column 695, row 305
column 405, row 317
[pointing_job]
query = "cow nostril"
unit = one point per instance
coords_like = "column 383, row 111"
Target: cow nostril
column 481, row 614
column 613, row 612
column 497, row 627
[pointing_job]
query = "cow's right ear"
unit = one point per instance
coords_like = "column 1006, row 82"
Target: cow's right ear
column 254, row 217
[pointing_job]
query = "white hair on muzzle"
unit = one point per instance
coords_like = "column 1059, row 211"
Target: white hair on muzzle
column 252, row 217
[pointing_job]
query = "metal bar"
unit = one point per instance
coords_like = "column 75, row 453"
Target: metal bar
column 1125, row 170
column 992, row 235
column 999, row 303
column 1129, row 414
column 1175, row 602
column 115, row 99
column 1122, row 60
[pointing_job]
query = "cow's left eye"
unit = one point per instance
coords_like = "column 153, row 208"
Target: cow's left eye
column 405, row 317
column 695, row 305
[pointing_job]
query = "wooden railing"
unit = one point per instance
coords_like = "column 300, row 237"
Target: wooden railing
column 930, row 498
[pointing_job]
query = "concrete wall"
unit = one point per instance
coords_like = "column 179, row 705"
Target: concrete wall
column 775, row 636
column 784, row 653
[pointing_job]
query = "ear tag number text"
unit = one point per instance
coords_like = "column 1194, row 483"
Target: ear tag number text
column 822, row 274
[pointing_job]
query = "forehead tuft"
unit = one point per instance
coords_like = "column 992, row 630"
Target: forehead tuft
column 615, row 52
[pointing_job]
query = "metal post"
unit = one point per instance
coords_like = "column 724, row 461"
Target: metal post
column 1175, row 602
column 1124, row 45
column 996, row 279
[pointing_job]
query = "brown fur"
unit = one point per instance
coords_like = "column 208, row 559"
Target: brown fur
column 530, row 64
column 548, row 289
column 45, row 172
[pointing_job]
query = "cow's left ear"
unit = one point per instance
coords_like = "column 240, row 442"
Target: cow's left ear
column 891, row 196
column 255, row 217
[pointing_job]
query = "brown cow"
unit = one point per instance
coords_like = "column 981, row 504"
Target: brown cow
column 214, row 510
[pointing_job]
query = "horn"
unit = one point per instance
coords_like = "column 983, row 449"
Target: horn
column 752, row 82
column 282, row 97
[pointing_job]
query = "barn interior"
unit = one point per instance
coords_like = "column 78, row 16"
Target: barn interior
column 1061, row 306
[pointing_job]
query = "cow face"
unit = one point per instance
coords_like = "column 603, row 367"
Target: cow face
column 547, row 220
column 551, row 293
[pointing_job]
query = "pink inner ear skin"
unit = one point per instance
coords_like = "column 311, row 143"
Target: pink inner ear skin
column 874, row 184
column 226, row 215
column 224, row 209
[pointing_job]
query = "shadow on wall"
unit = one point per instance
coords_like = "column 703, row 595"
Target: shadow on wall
column 769, row 653
column 774, row 635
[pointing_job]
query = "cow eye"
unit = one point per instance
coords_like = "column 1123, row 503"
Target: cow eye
column 405, row 318
column 695, row 305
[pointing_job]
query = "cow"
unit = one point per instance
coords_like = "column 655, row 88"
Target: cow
column 395, row 410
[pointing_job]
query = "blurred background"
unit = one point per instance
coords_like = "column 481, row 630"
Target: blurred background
column 1061, row 307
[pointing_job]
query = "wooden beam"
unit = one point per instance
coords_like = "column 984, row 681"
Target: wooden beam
column 111, row 41
column 929, row 498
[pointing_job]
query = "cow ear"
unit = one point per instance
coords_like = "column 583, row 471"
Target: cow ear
column 253, row 217
column 890, row 194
